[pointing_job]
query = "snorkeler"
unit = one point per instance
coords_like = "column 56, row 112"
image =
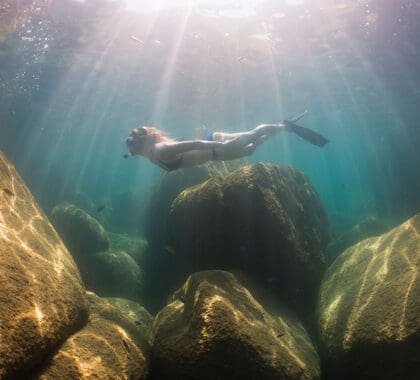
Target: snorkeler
column 170, row 154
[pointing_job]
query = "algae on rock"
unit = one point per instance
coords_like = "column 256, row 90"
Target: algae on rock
column 82, row 233
column 108, row 347
column 214, row 329
column 264, row 219
column 369, row 308
column 42, row 298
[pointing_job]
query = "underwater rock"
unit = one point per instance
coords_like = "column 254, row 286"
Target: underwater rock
column 42, row 298
column 214, row 329
column 156, row 222
column 135, row 246
column 83, row 201
column 198, row 225
column 264, row 219
column 370, row 307
column 108, row 347
column 135, row 313
column 368, row 227
column 115, row 274
column 170, row 185
column 82, row 234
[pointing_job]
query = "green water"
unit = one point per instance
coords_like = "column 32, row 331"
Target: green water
column 77, row 75
column 74, row 81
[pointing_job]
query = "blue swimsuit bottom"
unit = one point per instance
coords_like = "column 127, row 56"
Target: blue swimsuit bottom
column 208, row 136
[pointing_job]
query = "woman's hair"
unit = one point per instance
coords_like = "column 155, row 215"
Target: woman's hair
column 157, row 134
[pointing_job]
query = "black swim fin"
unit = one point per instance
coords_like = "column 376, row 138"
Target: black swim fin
column 296, row 118
column 306, row 133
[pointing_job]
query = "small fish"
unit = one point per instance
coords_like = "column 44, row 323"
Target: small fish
column 280, row 335
column 241, row 58
column 134, row 38
column 126, row 155
column 170, row 249
column 8, row 192
column 343, row 186
column 100, row 208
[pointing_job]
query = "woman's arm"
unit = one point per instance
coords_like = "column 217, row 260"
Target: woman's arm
column 169, row 150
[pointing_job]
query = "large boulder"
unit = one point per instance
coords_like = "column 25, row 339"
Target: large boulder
column 108, row 347
column 82, row 233
column 42, row 298
column 215, row 329
column 170, row 185
column 264, row 219
column 136, row 313
column 115, row 274
column 134, row 245
column 369, row 310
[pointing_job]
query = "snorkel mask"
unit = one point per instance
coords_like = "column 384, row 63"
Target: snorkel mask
column 133, row 141
column 135, row 135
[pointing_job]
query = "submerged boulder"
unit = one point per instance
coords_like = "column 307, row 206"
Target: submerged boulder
column 82, row 234
column 170, row 185
column 264, row 219
column 108, row 347
column 370, row 307
column 136, row 313
column 156, row 223
column 134, row 245
column 42, row 298
column 115, row 274
column 215, row 329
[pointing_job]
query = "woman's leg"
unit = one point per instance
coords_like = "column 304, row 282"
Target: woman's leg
column 243, row 143
column 252, row 136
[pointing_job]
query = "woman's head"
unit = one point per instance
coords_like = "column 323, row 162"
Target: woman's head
column 141, row 139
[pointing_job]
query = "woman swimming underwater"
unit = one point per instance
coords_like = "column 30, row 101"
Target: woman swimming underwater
column 170, row 154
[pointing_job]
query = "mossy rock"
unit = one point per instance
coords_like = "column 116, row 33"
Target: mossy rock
column 115, row 274
column 42, row 297
column 82, row 234
column 370, row 307
column 169, row 186
column 155, row 227
column 108, row 347
column 136, row 313
column 264, row 219
column 214, row 329
column 135, row 246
